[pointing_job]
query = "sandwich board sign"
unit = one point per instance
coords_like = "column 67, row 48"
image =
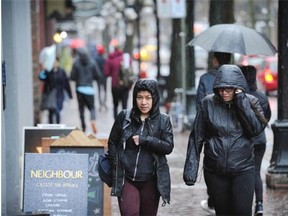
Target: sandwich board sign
column 56, row 183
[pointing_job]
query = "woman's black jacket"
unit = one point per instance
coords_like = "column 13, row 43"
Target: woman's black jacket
column 159, row 140
column 224, row 129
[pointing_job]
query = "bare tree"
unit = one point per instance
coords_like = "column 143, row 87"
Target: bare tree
column 220, row 12
column 174, row 79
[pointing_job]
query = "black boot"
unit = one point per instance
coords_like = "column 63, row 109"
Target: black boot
column 258, row 208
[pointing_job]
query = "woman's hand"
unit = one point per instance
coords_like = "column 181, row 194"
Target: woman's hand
column 237, row 91
column 136, row 139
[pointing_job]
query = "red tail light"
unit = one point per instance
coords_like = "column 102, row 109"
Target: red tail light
column 268, row 76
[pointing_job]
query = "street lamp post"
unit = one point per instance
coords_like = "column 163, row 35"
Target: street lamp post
column 158, row 39
column 138, row 7
column 278, row 170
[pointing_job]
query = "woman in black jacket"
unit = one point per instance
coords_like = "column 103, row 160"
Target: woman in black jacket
column 225, row 124
column 138, row 144
column 57, row 82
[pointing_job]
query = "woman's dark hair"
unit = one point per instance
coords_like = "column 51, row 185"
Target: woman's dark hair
column 222, row 57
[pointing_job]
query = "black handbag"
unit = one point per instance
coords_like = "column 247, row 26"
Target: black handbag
column 49, row 100
column 104, row 169
column 104, row 166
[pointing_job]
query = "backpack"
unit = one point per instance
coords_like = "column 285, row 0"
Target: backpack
column 125, row 77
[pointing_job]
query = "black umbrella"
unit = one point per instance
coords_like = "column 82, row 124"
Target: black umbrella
column 234, row 38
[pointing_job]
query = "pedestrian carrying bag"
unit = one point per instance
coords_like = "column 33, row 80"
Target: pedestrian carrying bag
column 104, row 167
column 49, row 100
column 125, row 77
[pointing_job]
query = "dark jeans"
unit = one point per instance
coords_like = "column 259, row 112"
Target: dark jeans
column 259, row 151
column 119, row 95
column 210, row 200
column 231, row 194
column 139, row 198
column 52, row 113
column 86, row 101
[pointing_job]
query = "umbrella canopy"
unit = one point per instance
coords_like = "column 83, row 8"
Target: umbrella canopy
column 77, row 43
column 234, row 38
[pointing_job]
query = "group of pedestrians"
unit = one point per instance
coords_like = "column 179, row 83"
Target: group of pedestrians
column 229, row 122
column 86, row 69
column 229, row 127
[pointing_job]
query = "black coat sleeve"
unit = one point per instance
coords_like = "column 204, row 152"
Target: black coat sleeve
column 251, row 123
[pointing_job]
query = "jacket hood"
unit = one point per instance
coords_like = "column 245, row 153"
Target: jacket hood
column 151, row 86
column 229, row 76
column 249, row 72
column 83, row 56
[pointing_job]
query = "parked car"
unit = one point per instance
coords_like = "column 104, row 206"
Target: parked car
column 245, row 60
column 267, row 74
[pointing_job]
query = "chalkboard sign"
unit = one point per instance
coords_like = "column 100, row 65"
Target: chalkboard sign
column 95, row 185
column 33, row 135
column 32, row 140
column 55, row 185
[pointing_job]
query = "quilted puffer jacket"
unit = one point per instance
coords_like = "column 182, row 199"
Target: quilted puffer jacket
column 158, row 141
column 225, row 129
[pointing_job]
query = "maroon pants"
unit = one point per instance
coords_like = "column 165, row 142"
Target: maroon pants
column 139, row 198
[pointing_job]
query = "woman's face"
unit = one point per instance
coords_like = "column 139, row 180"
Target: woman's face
column 144, row 101
column 226, row 94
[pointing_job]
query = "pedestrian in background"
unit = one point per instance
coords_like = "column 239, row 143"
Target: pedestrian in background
column 102, row 80
column 225, row 124
column 205, row 87
column 206, row 80
column 84, row 72
column 56, row 83
column 138, row 144
column 112, row 68
column 260, row 140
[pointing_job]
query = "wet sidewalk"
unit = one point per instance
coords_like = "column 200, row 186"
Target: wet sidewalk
column 184, row 200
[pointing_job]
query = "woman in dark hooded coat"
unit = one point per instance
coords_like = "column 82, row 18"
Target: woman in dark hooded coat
column 56, row 80
column 138, row 144
column 260, row 140
column 84, row 72
column 225, row 125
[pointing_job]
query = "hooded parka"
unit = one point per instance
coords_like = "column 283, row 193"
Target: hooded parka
column 158, row 140
column 250, row 75
column 84, row 70
column 225, row 129
column 112, row 66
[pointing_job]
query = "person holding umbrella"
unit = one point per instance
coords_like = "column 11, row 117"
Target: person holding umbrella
column 225, row 125
column 206, row 80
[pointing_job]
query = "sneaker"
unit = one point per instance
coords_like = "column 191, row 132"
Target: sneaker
column 204, row 205
column 258, row 209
